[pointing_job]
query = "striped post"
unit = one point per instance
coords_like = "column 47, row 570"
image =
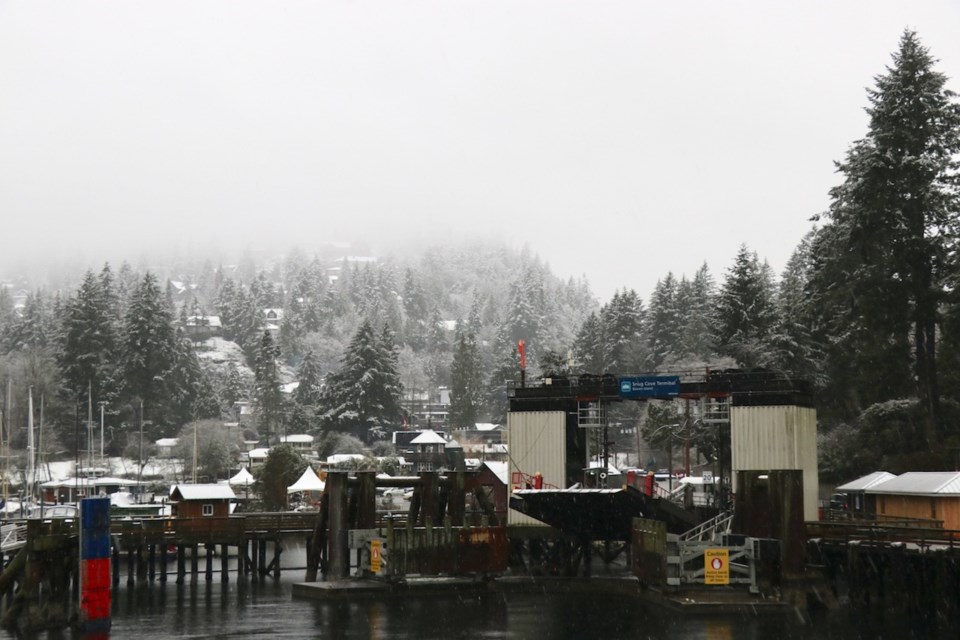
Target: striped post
column 95, row 573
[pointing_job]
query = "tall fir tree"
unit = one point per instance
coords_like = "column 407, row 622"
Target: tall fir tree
column 267, row 392
column 150, row 351
column 466, row 386
column 90, row 346
column 362, row 397
column 664, row 322
column 896, row 214
column 745, row 311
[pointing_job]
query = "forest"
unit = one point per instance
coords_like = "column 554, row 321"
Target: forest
column 866, row 310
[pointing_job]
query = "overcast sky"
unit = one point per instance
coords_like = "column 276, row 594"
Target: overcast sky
column 618, row 140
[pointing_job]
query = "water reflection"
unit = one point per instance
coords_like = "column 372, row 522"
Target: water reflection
column 249, row 609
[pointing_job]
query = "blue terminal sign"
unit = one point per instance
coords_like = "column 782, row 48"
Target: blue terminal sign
column 650, row 387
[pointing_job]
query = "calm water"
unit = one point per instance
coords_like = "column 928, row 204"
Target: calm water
column 254, row 609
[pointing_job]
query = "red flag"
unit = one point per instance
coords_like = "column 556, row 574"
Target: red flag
column 522, row 349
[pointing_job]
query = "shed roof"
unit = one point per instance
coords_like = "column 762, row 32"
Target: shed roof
column 868, row 481
column 499, row 469
column 922, row 483
column 302, row 438
column 202, row 492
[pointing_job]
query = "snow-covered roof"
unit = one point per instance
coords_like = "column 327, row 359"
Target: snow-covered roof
column 868, row 481
column 299, row 438
column 921, row 483
column 309, row 481
column 499, row 469
column 428, row 436
column 337, row 458
column 166, row 443
column 204, row 321
column 89, row 482
column 202, row 492
column 453, row 444
column 259, row 453
column 486, row 426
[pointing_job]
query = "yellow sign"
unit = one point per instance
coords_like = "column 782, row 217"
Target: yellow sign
column 376, row 558
column 716, row 566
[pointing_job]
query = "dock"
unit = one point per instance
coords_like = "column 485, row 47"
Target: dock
column 687, row 602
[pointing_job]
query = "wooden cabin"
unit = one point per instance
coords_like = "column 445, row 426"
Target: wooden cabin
column 923, row 495
column 201, row 500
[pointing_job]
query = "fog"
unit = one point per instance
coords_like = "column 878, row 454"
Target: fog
column 617, row 140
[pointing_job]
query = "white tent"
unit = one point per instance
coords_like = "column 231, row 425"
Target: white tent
column 309, row 481
column 243, row 478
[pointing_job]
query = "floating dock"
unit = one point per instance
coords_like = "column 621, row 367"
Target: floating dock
column 713, row 601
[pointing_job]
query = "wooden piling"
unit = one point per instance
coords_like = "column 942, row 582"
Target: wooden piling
column 224, row 567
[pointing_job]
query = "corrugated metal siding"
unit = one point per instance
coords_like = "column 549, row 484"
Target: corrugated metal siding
column 777, row 437
column 538, row 444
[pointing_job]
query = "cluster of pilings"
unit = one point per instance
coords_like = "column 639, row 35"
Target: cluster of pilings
column 923, row 583
column 349, row 502
column 152, row 561
column 40, row 583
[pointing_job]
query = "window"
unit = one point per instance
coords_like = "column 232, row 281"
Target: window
column 208, row 509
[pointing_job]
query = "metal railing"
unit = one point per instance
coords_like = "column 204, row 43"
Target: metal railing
column 710, row 529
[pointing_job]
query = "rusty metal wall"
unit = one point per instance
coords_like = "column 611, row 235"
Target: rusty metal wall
column 537, row 445
column 648, row 551
column 770, row 438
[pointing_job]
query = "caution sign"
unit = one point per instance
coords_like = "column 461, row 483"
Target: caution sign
column 716, row 566
column 376, row 555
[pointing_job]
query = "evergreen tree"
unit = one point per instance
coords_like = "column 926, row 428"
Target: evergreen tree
column 664, row 321
column 623, row 331
column 231, row 391
column 697, row 340
column 266, row 388
column 310, row 381
column 745, row 312
column 589, row 346
column 465, row 380
column 896, row 214
column 505, row 375
column 32, row 329
column 282, row 468
column 416, row 312
column 797, row 351
column 89, row 348
column 150, row 351
column 363, row 396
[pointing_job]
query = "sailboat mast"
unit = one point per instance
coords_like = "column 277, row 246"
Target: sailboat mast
column 89, row 425
column 5, row 445
column 28, row 494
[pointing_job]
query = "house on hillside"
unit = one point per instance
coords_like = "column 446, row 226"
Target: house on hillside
column 202, row 500
column 924, row 495
column 203, row 327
